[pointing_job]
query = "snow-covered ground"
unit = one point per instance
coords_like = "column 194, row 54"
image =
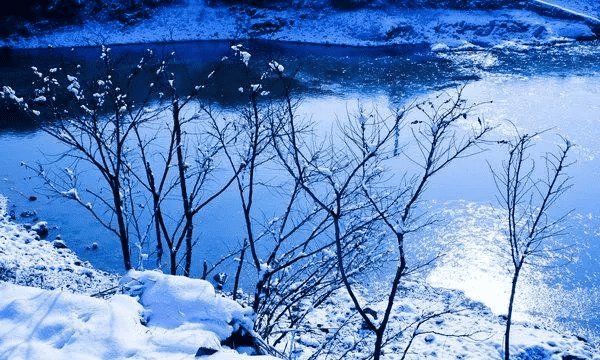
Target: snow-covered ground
column 27, row 260
column 149, row 315
column 458, row 328
column 194, row 20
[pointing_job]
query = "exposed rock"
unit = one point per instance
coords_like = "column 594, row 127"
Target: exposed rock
column 205, row 352
column 429, row 338
column 220, row 279
column 28, row 213
column 59, row 244
column 41, row 228
column 8, row 274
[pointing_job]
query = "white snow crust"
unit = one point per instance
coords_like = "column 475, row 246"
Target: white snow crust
column 466, row 330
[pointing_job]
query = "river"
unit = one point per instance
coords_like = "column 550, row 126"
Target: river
column 554, row 88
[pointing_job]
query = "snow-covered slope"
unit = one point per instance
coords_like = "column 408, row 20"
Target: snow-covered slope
column 158, row 316
column 153, row 316
column 194, row 20
column 458, row 328
column 182, row 317
column 27, row 260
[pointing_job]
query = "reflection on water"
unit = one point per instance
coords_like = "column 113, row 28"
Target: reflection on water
column 568, row 106
column 476, row 262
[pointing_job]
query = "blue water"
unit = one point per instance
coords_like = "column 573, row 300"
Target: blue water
column 553, row 88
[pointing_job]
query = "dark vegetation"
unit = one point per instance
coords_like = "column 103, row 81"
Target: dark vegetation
column 23, row 18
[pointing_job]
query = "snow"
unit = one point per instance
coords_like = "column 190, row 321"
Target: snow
column 277, row 67
column 361, row 27
column 27, row 260
column 43, row 324
column 245, row 57
column 71, row 194
column 158, row 316
column 468, row 331
column 568, row 11
column 58, row 319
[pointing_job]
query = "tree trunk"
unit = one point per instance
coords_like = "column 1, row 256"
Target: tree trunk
column 157, row 215
column 257, row 293
column 187, row 206
column 188, row 248
column 173, row 260
column 239, row 271
column 123, row 236
column 511, row 301
column 378, row 343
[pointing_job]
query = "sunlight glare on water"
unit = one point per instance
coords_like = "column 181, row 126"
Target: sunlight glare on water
column 558, row 107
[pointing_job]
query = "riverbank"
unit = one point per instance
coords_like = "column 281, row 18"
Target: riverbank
column 56, row 306
column 133, row 320
column 537, row 23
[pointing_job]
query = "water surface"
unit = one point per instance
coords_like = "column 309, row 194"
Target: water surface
column 555, row 89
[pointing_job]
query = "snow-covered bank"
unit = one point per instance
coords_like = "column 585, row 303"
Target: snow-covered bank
column 151, row 316
column 27, row 260
column 183, row 317
column 194, row 20
column 450, row 326
column 157, row 316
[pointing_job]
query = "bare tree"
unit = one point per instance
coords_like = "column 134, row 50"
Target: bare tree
column 439, row 145
column 146, row 149
column 528, row 201
column 345, row 179
column 95, row 121
column 184, row 165
column 286, row 250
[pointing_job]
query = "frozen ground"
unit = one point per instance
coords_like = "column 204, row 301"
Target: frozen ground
column 156, row 316
column 27, row 260
column 194, row 20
